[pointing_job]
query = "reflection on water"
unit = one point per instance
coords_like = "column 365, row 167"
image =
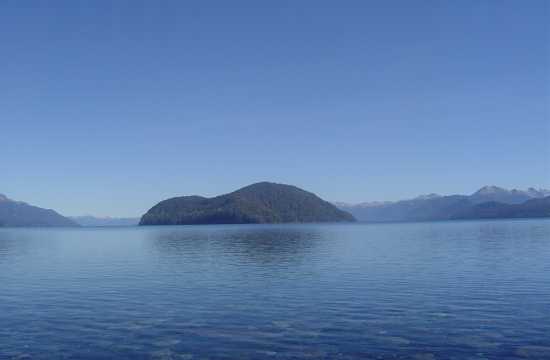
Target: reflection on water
column 450, row 290
column 261, row 245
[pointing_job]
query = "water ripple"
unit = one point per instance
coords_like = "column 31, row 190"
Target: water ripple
column 450, row 290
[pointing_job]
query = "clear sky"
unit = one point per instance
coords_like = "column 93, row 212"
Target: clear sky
column 107, row 107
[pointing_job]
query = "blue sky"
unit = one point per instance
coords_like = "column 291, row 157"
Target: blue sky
column 108, row 107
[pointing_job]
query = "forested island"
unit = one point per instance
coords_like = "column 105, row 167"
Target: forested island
column 258, row 203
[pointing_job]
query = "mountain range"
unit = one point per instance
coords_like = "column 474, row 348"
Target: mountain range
column 277, row 203
column 533, row 208
column 20, row 214
column 97, row 221
column 487, row 202
column 262, row 202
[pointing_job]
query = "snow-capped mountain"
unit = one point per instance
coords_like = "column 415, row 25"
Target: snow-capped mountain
column 438, row 207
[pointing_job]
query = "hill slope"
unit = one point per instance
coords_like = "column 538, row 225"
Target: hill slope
column 20, row 214
column 257, row 203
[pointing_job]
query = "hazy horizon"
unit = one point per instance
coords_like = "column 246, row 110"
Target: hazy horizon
column 109, row 108
column 356, row 202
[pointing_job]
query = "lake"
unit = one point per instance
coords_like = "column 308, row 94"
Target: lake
column 441, row 290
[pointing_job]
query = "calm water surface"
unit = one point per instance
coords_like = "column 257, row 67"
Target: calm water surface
column 448, row 290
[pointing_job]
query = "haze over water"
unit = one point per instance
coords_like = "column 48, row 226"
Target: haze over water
column 446, row 290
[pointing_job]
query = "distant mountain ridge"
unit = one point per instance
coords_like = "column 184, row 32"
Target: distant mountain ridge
column 20, row 214
column 89, row 220
column 263, row 202
column 533, row 208
column 438, row 207
column 514, row 196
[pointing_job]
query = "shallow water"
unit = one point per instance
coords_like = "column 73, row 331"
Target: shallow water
column 446, row 290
